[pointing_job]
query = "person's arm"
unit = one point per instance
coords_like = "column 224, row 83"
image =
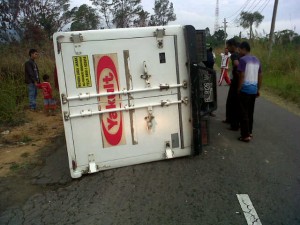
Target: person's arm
column 241, row 81
column 259, row 83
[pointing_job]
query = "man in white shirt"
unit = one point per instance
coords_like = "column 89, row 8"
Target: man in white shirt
column 224, row 68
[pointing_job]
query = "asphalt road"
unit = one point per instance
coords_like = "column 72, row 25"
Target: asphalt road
column 187, row 191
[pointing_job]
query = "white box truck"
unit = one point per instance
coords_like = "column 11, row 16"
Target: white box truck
column 132, row 95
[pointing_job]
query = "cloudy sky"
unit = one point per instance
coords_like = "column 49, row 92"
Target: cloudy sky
column 201, row 13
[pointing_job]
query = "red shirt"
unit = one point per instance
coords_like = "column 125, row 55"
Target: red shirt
column 47, row 90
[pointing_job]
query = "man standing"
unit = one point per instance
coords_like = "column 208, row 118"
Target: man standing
column 224, row 67
column 32, row 78
column 232, row 103
column 248, row 88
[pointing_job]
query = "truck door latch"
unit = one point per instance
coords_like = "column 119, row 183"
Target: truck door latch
column 169, row 152
column 92, row 163
column 77, row 39
column 146, row 76
column 149, row 118
column 159, row 34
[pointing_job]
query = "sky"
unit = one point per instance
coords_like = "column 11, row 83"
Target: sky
column 201, row 14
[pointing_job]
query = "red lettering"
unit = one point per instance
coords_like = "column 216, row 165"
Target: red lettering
column 113, row 115
column 112, row 124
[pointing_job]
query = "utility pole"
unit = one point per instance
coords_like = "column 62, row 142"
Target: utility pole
column 225, row 26
column 217, row 17
column 271, row 37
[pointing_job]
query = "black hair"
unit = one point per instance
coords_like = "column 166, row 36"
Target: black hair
column 31, row 51
column 245, row 45
column 232, row 42
column 46, row 77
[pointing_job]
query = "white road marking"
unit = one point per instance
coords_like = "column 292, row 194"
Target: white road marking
column 248, row 209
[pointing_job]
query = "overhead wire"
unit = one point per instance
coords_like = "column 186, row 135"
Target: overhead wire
column 240, row 9
column 267, row 2
column 253, row 6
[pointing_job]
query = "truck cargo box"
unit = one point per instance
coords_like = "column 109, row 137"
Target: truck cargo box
column 130, row 96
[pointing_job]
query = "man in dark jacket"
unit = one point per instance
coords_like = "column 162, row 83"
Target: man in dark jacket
column 32, row 78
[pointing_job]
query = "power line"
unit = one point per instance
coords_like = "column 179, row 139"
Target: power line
column 264, row 6
column 252, row 7
column 240, row 9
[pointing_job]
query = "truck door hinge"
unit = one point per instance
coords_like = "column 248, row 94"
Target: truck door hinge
column 77, row 39
column 58, row 43
column 169, row 152
column 159, row 34
column 92, row 164
column 146, row 76
column 66, row 116
column 64, row 99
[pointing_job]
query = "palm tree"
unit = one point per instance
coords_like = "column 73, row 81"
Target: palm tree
column 247, row 20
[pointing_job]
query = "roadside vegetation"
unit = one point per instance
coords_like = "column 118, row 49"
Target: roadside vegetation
column 13, row 94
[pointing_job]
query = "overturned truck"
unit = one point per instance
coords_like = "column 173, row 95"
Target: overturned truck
column 133, row 95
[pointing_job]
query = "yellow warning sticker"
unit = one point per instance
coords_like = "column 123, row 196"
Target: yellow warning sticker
column 82, row 71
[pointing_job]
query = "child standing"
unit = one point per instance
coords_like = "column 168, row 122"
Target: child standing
column 49, row 102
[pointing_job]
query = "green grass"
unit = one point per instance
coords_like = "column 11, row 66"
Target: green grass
column 281, row 73
column 13, row 94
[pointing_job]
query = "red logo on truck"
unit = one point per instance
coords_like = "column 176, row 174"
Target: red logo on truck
column 108, row 81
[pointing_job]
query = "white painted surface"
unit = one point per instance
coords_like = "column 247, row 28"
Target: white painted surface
column 84, row 134
column 248, row 210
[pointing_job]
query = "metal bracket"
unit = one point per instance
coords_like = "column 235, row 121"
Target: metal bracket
column 85, row 113
column 66, row 116
column 64, row 99
column 146, row 76
column 58, row 43
column 169, row 153
column 77, row 39
column 159, row 34
column 185, row 83
column 149, row 118
column 164, row 103
column 164, row 87
column 92, row 164
column 185, row 101
column 84, row 96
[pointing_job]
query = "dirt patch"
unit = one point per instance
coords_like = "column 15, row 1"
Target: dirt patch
column 19, row 146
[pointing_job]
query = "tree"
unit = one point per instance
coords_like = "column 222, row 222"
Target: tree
column 142, row 20
column 85, row 18
column 163, row 13
column 105, row 8
column 247, row 20
column 125, row 12
column 9, row 22
column 34, row 19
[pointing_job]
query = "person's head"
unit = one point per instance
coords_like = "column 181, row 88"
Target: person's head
column 210, row 49
column 232, row 45
column 244, row 48
column 33, row 53
column 46, row 77
column 226, row 51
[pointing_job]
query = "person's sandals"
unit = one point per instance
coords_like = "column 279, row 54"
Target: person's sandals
column 246, row 139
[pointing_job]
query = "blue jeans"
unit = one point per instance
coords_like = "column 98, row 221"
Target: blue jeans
column 32, row 93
